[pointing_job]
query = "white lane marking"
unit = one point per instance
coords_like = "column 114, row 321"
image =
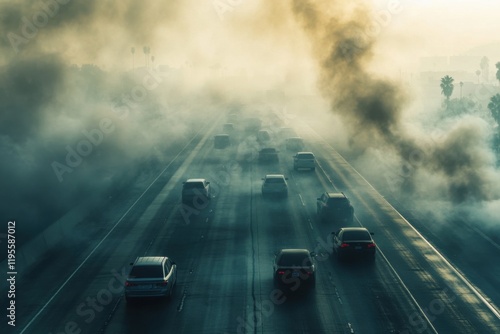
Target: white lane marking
column 181, row 305
column 100, row 242
column 309, row 220
column 302, row 200
column 423, row 313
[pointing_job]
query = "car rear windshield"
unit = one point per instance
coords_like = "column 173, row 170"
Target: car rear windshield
column 193, row 185
column 338, row 201
column 294, row 259
column 306, row 156
column 356, row 235
column 146, row 272
column 275, row 180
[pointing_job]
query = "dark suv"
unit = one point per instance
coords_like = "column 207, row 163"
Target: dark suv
column 335, row 207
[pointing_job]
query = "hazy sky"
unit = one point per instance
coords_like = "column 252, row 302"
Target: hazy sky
column 445, row 27
column 228, row 31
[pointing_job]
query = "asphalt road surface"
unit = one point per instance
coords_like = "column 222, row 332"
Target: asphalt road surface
column 224, row 251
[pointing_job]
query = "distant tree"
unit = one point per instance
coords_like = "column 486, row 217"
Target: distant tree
column 485, row 68
column 494, row 107
column 498, row 70
column 478, row 73
column 447, row 87
column 147, row 51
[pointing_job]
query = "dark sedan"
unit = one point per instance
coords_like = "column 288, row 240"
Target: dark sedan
column 350, row 242
column 294, row 268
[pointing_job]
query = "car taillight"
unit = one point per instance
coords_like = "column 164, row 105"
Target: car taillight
column 344, row 245
column 372, row 245
column 127, row 283
column 163, row 283
column 281, row 272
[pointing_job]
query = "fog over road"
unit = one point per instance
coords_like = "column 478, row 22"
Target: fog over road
column 224, row 251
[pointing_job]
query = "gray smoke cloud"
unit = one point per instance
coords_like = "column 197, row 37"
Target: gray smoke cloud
column 73, row 134
column 343, row 39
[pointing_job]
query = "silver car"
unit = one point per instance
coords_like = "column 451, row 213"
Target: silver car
column 275, row 184
column 151, row 276
column 305, row 160
column 194, row 190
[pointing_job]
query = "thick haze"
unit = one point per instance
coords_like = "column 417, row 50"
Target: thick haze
column 66, row 70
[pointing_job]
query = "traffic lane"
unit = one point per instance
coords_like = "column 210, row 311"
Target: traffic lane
column 459, row 234
column 59, row 309
column 362, row 314
column 279, row 225
column 96, row 289
column 372, row 297
column 215, row 266
column 135, row 234
column 59, row 263
column 178, row 239
column 429, row 285
column 220, row 288
column 430, row 279
column 286, row 222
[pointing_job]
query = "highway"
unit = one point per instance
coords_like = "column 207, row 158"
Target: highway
column 224, row 250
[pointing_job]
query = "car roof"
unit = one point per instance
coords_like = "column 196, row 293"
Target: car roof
column 275, row 176
column 305, row 153
column 294, row 138
column 294, row 251
column 268, row 149
column 354, row 229
column 149, row 260
column 195, row 180
column 335, row 195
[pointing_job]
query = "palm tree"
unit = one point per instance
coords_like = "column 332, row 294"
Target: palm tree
column 447, row 87
column 494, row 107
column 147, row 51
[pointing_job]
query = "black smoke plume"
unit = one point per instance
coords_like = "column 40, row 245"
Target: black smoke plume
column 343, row 38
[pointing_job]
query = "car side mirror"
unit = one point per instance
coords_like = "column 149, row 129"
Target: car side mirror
column 286, row 178
column 371, row 233
column 131, row 263
column 208, row 182
column 318, row 198
column 262, row 179
column 173, row 263
column 334, row 233
column 313, row 254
